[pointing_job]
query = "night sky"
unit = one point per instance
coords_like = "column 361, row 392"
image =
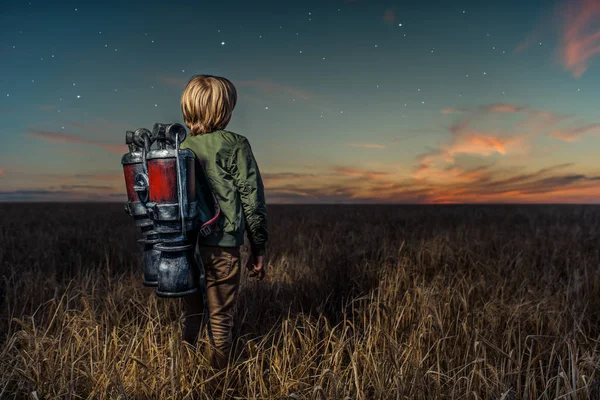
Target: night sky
column 342, row 101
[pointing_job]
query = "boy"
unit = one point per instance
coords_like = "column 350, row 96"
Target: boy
column 207, row 103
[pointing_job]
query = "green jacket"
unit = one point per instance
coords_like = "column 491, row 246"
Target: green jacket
column 235, row 180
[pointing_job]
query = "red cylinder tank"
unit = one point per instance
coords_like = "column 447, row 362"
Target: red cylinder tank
column 130, row 173
column 162, row 174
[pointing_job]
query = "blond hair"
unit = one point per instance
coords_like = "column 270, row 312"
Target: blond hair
column 207, row 103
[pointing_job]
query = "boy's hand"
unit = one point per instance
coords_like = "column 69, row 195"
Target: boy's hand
column 256, row 267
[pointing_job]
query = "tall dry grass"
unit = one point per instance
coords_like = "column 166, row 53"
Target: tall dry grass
column 361, row 302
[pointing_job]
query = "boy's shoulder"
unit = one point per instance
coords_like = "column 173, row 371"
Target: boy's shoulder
column 216, row 141
column 232, row 138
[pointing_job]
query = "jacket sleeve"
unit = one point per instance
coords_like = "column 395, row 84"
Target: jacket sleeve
column 248, row 182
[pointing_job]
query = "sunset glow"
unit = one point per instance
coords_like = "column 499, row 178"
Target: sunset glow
column 342, row 102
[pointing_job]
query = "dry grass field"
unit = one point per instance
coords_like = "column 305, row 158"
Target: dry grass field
column 361, row 302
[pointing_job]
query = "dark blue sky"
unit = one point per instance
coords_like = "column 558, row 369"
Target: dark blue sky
column 342, row 100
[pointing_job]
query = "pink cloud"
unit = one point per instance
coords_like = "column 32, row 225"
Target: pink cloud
column 174, row 81
column 1, row 172
column 389, row 17
column 367, row 145
column 99, row 130
column 575, row 134
column 503, row 107
column 542, row 28
column 60, row 137
column 527, row 43
column 452, row 111
column 370, row 175
column 497, row 108
column 581, row 35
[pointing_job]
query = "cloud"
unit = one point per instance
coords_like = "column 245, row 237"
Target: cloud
column 481, row 144
column 451, row 174
column 92, row 187
column 389, row 17
column 174, row 81
column 32, row 192
column 575, row 133
column 1, row 171
column 59, row 177
column 343, row 184
column 480, row 184
column 438, row 165
column 452, row 111
column 286, row 175
column 365, row 174
column 504, row 108
column 42, row 194
column 60, row 137
column 511, row 183
column 527, row 42
column 547, row 185
column 47, row 107
column 535, row 183
column 580, row 35
column 34, row 195
column 104, row 176
column 100, row 128
column 543, row 27
column 576, row 23
column 367, row 145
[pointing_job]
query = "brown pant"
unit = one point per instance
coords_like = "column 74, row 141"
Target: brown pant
column 222, row 269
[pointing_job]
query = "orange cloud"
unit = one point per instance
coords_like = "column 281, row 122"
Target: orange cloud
column 436, row 166
column 1, row 172
column 581, row 35
column 367, row 145
column 389, row 17
column 481, row 144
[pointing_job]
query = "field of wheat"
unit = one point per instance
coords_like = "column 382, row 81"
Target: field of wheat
column 360, row 302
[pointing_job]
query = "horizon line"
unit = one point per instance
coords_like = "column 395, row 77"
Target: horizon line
column 313, row 204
